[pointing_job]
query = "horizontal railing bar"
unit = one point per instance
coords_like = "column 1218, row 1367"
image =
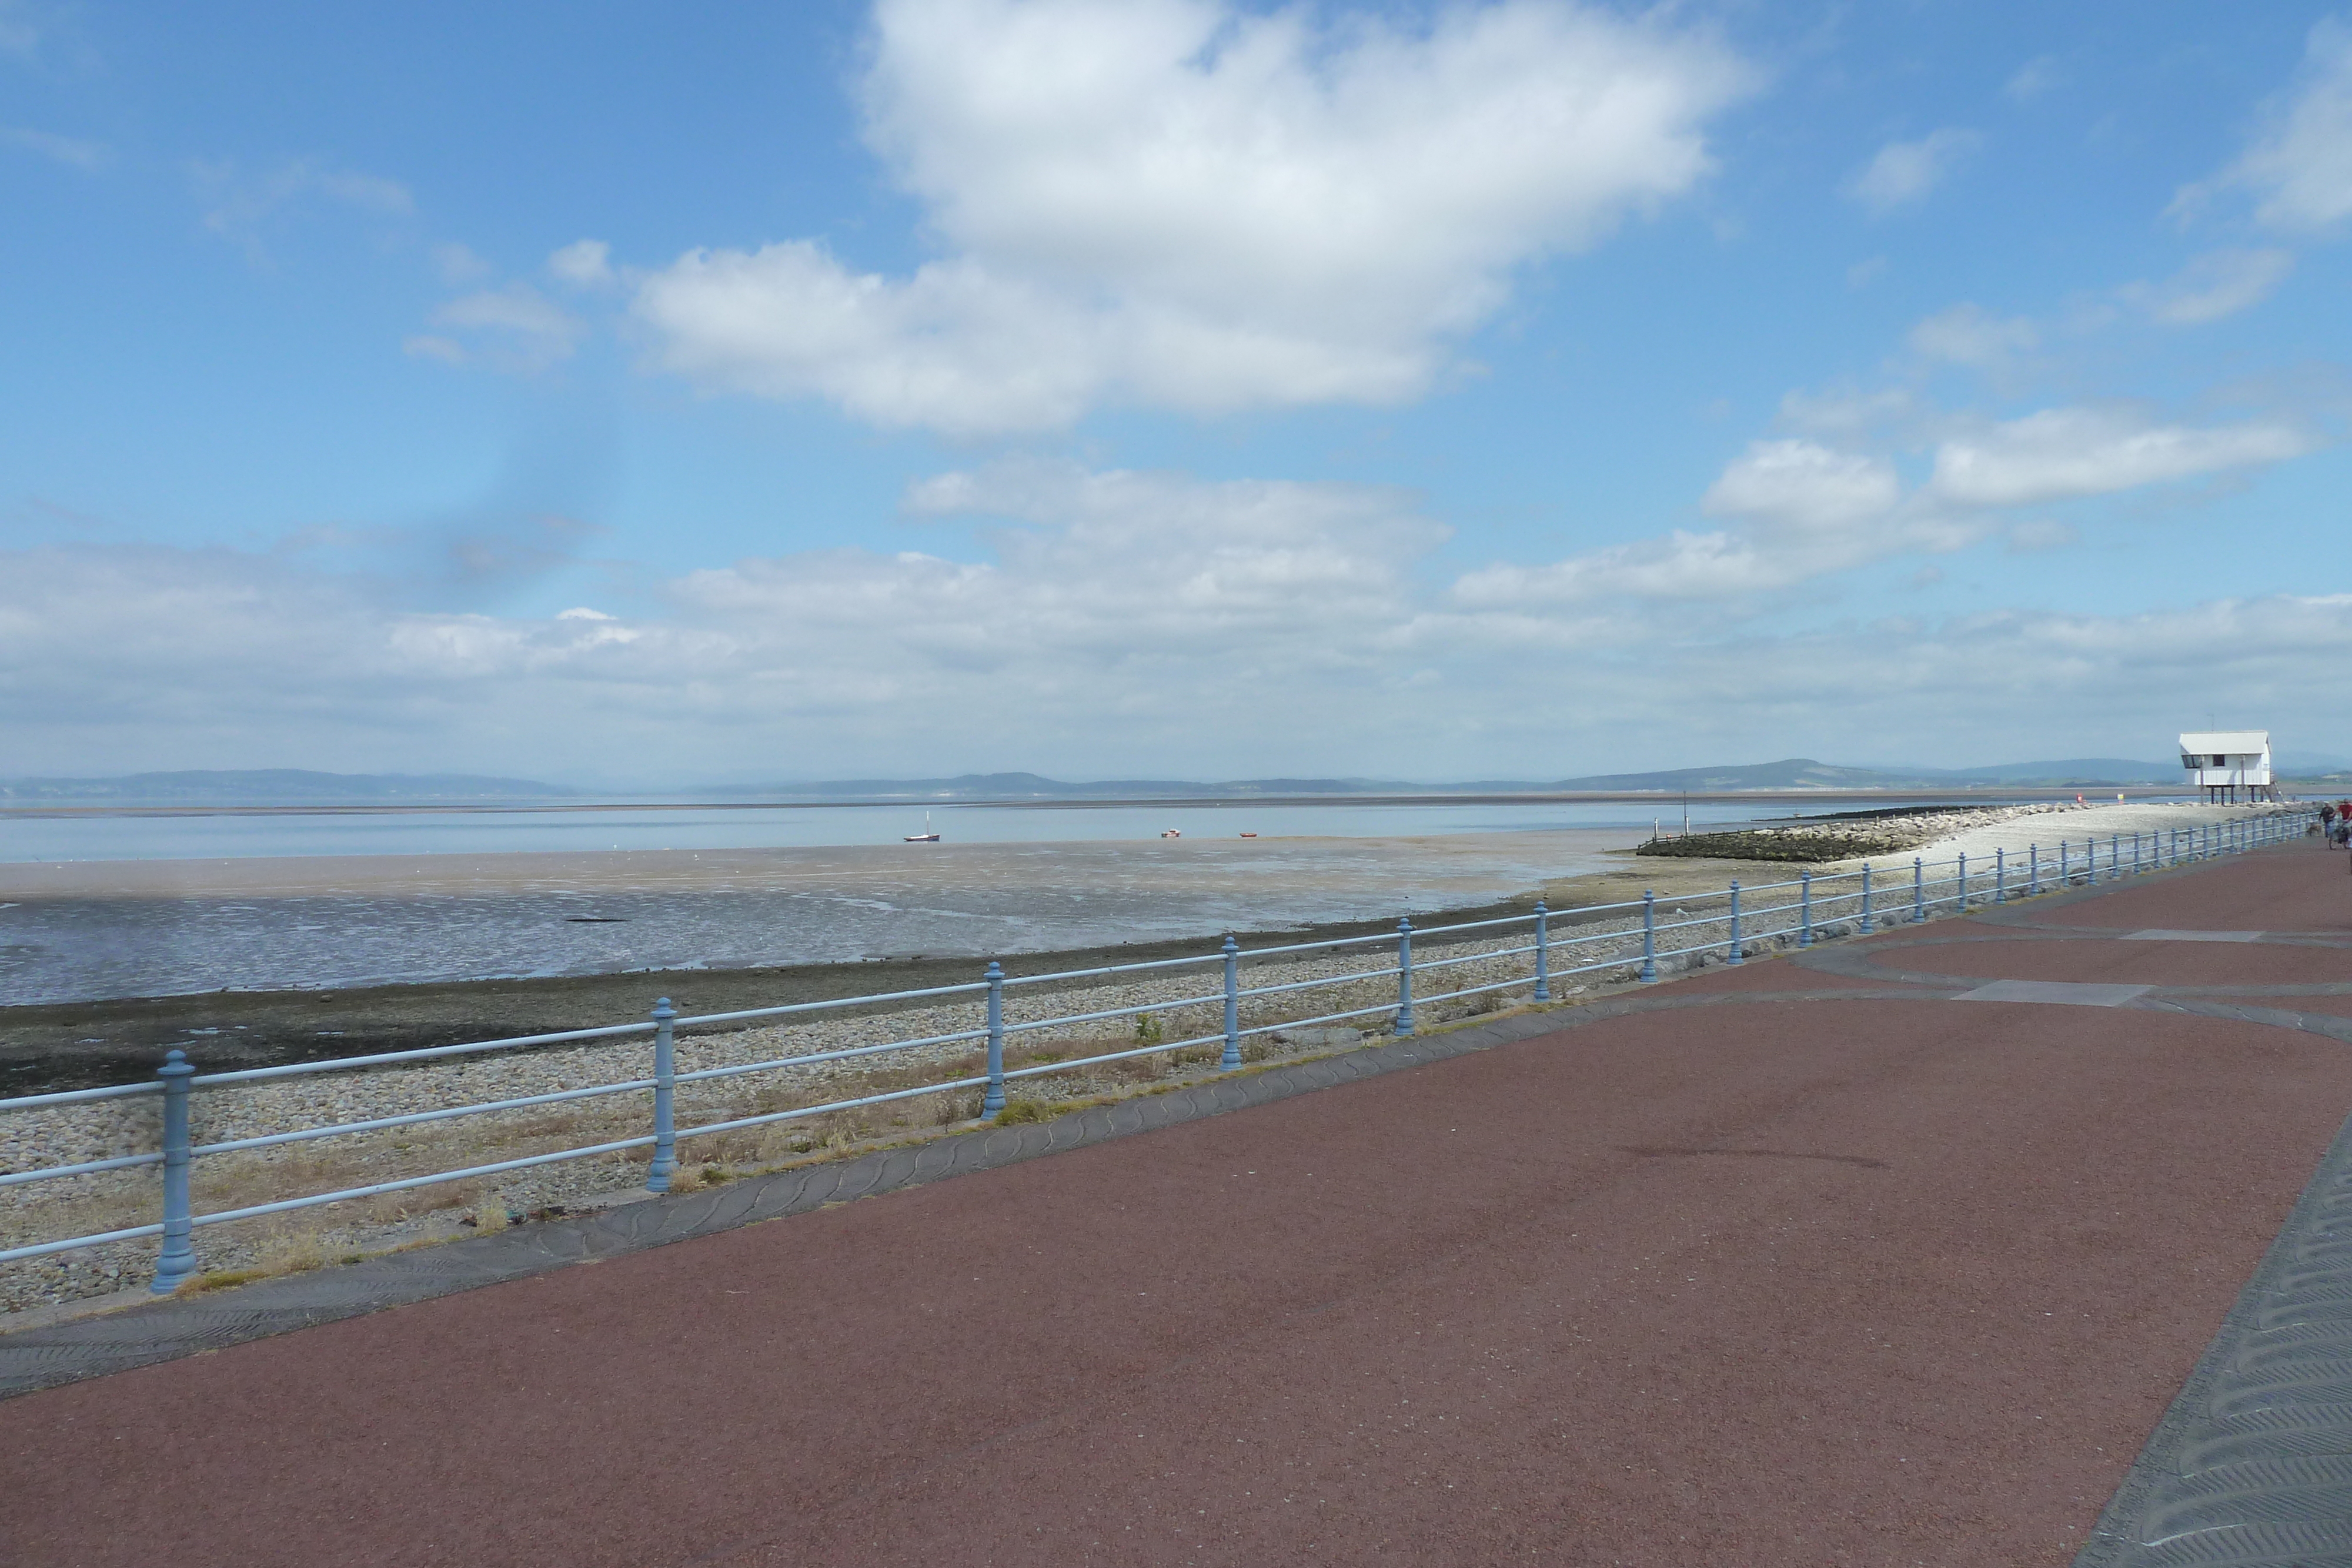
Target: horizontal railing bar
column 1315, row 985
column 1309, row 1023
column 781, row 1009
column 1011, row 980
column 251, row 1075
column 1388, row 935
column 87, row 1167
column 814, row 1057
column 1011, row 1026
column 379, row 1189
column 413, row 1118
column 72, row 1096
column 43, row 1249
column 1043, row 1068
column 1527, row 919
column 832, row 1105
column 1418, row 964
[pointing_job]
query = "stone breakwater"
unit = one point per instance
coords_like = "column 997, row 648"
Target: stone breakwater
column 1834, row 839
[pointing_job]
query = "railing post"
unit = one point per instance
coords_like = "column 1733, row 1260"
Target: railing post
column 993, row 1101
column 665, row 1094
column 1404, row 976
column 1735, row 955
column 2138, row 867
column 1918, row 889
column 178, row 1258
column 1804, row 909
column 2033, row 871
column 1867, row 925
column 2000, row 877
column 1964, row 882
column 1543, row 953
column 1232, row 1056
column 2114, row 857
column 1649, row 934
column 2065, row 874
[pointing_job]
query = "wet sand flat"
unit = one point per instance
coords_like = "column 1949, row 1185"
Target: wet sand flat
column 78, row 1042
column 87, row 931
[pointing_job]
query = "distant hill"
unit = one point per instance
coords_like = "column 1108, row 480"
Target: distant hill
column 1795, row 773
column 2075, row 770
column 276, row 786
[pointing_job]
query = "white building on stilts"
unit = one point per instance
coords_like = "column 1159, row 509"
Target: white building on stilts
column 2229, row 765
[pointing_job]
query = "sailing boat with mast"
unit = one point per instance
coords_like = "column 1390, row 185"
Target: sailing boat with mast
column 926, row 836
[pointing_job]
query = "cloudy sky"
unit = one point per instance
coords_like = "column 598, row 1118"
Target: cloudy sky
column 640, row 396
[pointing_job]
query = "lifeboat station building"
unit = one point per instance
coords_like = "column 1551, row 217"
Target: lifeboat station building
column 2229, row 765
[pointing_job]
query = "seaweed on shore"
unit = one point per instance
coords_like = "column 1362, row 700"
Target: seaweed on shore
column 1771, row 844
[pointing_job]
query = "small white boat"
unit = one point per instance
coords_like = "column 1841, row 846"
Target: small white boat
column 1171, row 833
column 926, row 836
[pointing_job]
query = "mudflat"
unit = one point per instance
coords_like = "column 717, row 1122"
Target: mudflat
column 82, row 1044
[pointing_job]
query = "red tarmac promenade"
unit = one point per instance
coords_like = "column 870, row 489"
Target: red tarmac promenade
column 1883, row 1278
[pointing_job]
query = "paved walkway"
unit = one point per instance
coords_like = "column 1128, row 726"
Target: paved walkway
column 1834, row 1259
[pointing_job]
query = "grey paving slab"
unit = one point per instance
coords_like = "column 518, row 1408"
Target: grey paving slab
column 2064, row 993
column 2192, row 936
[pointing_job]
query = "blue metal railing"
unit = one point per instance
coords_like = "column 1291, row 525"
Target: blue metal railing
column 1818, row 906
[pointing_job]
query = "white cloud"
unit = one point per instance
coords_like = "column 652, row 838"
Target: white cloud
column 516, row 327
column 433, row 346
column 2218, row 284
column 1110, row 567
column 1903, row 173
column 238, row 205
column 2067, row 452
column 1180, row 203
column 2299, row 166
column 586, row 263
column 1294, row 637
column 1804, row 488
column 71, row 151
column 457, row 264
column 1683, row 566
column 1847, row 413
column 1801, row 510
column 2035, row 77
column 18, row 35
column 1971, row 336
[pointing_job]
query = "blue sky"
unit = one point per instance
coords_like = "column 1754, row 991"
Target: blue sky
column 1167, row 387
